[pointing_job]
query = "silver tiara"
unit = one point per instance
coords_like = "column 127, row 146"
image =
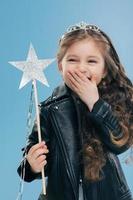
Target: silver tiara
column 82, row 25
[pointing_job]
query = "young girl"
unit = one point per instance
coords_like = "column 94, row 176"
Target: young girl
column 85, row 123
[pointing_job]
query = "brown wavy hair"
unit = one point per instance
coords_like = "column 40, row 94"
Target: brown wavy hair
column 115, row 88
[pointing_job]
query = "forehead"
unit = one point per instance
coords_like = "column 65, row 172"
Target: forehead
column 85, row 46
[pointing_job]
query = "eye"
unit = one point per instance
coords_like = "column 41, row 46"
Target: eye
column 92, row 61
column 72, row 60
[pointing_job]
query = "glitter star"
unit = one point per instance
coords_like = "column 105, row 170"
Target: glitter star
column 32, row 68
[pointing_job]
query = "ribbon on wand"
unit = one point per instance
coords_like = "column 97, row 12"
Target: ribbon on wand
column 33, row 70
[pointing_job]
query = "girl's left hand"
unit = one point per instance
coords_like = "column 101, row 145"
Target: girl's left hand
column 85, row 88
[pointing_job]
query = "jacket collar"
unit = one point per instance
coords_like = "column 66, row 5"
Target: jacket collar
column 61, row 91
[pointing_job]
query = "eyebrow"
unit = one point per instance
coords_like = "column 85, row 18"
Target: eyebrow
column 91, row 56
column 71, row 55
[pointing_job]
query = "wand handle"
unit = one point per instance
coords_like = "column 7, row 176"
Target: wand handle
column 39, row 131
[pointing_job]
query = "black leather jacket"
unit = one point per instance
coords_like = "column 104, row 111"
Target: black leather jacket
column 60, row 125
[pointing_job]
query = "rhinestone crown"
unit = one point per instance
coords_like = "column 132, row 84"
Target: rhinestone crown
column 79, row 26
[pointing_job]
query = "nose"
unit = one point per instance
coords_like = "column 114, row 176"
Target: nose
column 84, row 68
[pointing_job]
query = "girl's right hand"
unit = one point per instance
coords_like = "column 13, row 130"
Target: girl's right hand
column 36, row 157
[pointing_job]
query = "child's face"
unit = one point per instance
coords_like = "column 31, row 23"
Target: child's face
column 85, row 56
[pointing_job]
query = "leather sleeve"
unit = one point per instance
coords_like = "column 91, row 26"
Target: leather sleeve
column 105, row 122
column 32, row 140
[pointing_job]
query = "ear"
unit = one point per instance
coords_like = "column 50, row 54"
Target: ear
column 104, row 73
column 60, row 67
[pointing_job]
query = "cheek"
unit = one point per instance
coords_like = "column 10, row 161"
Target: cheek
column 65, row 76
column 98, row 76
column 98, row 80
column 66, row 70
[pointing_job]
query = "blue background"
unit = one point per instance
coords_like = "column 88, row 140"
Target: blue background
column 42, row 22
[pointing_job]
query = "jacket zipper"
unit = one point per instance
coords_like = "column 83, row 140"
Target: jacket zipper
column 68, row 167
column 114, row 164
column 81, row 137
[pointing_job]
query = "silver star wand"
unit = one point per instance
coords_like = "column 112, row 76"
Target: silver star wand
column 33, row 70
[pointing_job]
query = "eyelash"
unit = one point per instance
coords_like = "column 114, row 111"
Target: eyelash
column 72, row 60
column 90, row 61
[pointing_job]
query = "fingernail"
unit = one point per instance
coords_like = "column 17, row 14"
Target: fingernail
column 43, row 142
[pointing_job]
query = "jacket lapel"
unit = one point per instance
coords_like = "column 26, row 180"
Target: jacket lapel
column 66, row 125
